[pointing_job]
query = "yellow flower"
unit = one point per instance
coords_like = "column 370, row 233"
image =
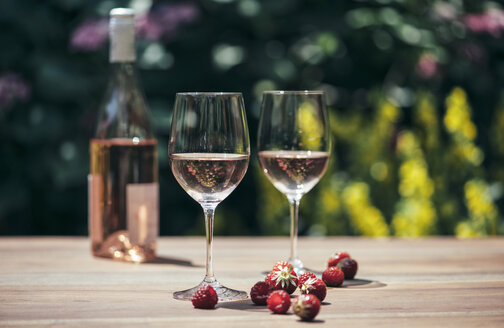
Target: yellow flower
column 482, row 211
column 458, row 97
column 469, row 130
column 465, row 230
column 330, row 200
column 389, row 110
column 458, row 112
column 310, row 125
column 416, row 215
column 463, row 131
column 365, row 217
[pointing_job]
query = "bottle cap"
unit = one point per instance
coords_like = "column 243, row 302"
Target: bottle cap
column 122, row 35
column 122, row 13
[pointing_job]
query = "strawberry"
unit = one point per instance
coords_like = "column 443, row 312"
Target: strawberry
column 260, row 292
column 269, row 279
column 283, row 277
column 333, row 276
column 349, row 267
column 306, row 306
column 279, row 302
column 305, row 276
column 204, row 298
column 338, row 256
column 314, row 286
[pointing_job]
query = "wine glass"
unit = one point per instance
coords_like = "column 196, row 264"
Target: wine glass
column 294, row 146
column 209, row 154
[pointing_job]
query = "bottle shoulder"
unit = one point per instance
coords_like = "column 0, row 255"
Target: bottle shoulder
column 123, row 112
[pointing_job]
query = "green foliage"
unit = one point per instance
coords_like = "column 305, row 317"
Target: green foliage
column 414, row 89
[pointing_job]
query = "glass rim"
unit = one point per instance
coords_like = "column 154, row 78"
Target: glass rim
column 205, row 93
column 294, row 92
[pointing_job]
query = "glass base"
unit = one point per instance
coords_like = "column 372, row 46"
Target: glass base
column 223, row 293
column 299, row 267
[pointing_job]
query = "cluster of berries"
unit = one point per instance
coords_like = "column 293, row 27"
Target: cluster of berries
column 282, row 281
column 340, row 267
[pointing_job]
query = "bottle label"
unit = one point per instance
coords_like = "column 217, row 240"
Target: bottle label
column 142, row 212
column 122, row 41
column 95, row 224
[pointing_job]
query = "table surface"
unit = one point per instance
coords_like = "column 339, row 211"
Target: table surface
column 54, row 281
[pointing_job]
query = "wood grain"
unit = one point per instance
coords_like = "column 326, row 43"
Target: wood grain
column 55, row 282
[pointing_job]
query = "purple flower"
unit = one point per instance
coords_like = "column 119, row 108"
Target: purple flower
column 163, row 21
column 491, row 21
column 149, row 28
column 90, row 36
column 12, row 88
column 427, row 66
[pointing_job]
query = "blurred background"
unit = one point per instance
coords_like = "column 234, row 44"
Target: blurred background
column 414, row 88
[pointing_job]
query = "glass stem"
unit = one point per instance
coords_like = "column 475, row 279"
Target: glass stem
column 294, row 211
column 209, row 221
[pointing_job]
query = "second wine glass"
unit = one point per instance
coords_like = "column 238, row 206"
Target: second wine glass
column 209, row 154
column 294, row 147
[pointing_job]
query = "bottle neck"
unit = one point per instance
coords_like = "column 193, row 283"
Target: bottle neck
column 123, row 72
column 123, row 77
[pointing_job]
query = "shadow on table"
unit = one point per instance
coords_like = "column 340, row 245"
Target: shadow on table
column 243, row 305
column 247, row 305
column 173, row 261
column 362, row 283
column 312, row 321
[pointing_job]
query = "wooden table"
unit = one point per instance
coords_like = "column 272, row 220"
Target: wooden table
column 441, row 282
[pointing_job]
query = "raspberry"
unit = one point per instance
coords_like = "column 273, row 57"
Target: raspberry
column 349, row 267
column 338, row 256
column 260, row 292
column 333, row 276
column 306, row 306
column 204, row 298
column 279, row 302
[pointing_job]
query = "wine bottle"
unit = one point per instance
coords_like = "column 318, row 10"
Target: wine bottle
column 123, row 181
